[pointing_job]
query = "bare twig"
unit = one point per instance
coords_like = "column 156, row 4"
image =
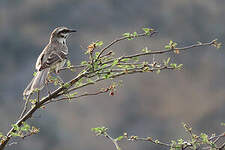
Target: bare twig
column 217, row 137
column 222, row 146
column 78, row 96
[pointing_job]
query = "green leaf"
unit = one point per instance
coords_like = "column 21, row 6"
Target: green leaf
column 84, row 63
column 68, row 63
column 99, row 43
column 96, row 65
column 90, row 80
column 167, row 61
column 136, row 59
column 36, row 90
column 125, row 59
column 1, row 135
column 174, row 45
column 173, row 65
column 66, row 85
column 171, row 45
column 127, row 34
column 115, row 62
column 104, row 65
column 71, row 95
column 146, row 69
column 33, row 101
column 87, row 52
column 180, row 141
column 34, row 74
column 15, row 134
column 173, row 143
column 204, row 138
column 145, row 50
column 119, row 138
column 180, row 66
column 130, row 38
column 99, row 130
column 15, row 127
column 158, row 71
column 79, row 83
column 167, row 47
column 146, row 30
column 106, row 76
column 135, row 34
column 97, row 53
column 25, row 127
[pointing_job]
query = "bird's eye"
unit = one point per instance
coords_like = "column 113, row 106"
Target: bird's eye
column 63, row 31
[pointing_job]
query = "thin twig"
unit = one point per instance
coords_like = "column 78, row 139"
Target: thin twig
column 162, row 51
column 217, row 137
column 74, row 97
column 25, row 107
column 72, row 67
column 113, row 140
column 121, row 39
column 222, row 146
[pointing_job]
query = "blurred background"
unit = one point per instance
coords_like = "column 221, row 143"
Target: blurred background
column 147, row 104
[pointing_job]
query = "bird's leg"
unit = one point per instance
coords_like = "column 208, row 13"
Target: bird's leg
column 38, row 96
column 25, row 105
column 46, row 84
column 60, row 79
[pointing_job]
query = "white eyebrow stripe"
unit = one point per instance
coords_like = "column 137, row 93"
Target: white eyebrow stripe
column 61, row 29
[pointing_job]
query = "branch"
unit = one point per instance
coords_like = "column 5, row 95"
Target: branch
column 78, row 96
column 124, row 38
column 34, row 109
column 164, row 51
column 202, row 142
column 113, row 140
column 109, row 67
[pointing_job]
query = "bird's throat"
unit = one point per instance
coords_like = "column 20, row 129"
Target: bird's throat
column 62, row 40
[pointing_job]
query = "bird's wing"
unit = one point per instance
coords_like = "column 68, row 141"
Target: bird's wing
column 39, row 61
column 53, row 58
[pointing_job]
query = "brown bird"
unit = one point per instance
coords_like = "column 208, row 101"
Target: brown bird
column 53, row 57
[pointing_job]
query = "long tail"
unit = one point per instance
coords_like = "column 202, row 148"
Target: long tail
column 38, row 82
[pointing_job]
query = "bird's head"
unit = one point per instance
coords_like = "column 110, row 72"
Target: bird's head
column 61, row 33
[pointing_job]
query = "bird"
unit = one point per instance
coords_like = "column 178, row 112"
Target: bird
column 53, row 57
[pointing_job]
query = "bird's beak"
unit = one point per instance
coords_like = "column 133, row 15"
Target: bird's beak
column 72, row 30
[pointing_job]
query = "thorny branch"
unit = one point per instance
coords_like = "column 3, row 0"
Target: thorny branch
column 102, row 67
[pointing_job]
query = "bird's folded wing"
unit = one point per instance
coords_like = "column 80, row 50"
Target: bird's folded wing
column 54, row 58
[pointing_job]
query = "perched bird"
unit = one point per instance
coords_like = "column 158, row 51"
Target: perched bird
column 53, row 57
